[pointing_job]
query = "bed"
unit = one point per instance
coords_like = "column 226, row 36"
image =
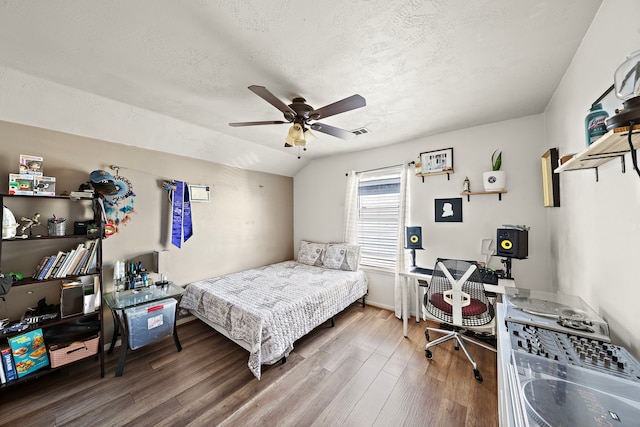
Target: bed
column 266, row 309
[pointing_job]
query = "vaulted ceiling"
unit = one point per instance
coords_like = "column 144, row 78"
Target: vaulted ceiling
column 424, row 67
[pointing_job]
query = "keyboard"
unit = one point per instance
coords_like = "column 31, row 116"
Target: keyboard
column 420, row 270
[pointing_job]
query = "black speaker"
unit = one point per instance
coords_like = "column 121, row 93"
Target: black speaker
column 80, row 228
column 513, row 243
column 414, row 237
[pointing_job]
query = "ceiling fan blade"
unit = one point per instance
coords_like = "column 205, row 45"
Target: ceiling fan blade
column 347, row 104
column 263, row 93
column 272, row 122
column 333, row 131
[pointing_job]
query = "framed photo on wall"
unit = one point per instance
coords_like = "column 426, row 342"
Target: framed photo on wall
column 437, row 161
column 199, row 193
column 448, row 210
column 550, row 179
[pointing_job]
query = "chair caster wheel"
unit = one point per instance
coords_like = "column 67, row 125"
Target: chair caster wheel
column 426, row 335
column 477, row 375
column 427, row 354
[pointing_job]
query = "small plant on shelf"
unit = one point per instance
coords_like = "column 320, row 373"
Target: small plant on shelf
column 496, row 160
column 495, row 179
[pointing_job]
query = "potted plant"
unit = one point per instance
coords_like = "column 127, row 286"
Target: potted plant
column 495, row 179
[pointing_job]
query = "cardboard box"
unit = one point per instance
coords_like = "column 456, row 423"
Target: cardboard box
column 31, row 165
column 29, row 352
column 44, row 186
column 21, row 184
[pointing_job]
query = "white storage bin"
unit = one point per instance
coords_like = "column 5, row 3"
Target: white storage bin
column 150, row 322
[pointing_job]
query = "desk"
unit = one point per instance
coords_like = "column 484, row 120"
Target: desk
column 411, row 277
column 118, row 302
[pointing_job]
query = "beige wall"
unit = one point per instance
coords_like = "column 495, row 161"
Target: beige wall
column 248, row 223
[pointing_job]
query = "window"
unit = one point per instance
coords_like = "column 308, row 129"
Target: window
column 378, row 217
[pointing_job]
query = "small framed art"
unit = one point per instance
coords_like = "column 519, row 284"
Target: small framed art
column 448, row 210
column 550, row 179
column 437, row 161
column 199, row 193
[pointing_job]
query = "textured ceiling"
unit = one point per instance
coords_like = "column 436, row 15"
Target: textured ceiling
column 424, row 67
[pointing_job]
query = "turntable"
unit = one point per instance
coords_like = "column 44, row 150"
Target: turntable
column 553, row 394
column 568, row 314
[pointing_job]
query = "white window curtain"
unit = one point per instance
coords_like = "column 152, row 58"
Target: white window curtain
column 351, row 209
column 404, row 219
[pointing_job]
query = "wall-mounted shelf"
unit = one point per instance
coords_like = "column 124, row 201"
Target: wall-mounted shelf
column 475, row 193
column 614, row 143
column 435, row 173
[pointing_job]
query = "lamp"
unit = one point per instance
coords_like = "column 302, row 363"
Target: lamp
column 295, row 135
column 308, row 135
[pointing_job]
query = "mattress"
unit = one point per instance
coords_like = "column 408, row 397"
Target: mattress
column 268, row 308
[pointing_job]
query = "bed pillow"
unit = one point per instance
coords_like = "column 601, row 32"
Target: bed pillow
column 311, row 253
column 342, row 256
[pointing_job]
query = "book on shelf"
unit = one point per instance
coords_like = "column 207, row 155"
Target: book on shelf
column 8, row 365
column 75, row 261
column 39, row 267
column 69, row 259
column 46, row 267
column 91, row 262
column 56, row 264
column 3, row 379
column 83, row 260
column 81, row 267
column 63, row 267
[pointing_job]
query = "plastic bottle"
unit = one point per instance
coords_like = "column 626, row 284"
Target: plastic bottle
column 594, row 123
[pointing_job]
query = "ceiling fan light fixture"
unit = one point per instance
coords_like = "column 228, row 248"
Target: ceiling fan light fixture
column 299, row 113
column 295, row 134
column 308, row 135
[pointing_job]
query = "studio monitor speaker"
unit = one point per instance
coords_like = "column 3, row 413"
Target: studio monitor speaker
column 414, row 237
column 513, row 243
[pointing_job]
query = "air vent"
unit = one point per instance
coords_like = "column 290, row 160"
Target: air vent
column 360, row 131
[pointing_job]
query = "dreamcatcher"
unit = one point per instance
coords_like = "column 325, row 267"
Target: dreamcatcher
column 118, row 206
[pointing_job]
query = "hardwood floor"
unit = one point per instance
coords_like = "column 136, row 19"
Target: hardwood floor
column 362, row 372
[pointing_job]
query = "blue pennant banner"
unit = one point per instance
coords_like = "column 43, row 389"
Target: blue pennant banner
column 181, row 224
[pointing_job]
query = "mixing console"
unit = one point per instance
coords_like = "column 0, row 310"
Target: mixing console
column 574, row 350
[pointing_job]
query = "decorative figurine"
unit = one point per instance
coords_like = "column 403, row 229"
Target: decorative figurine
column 30, row 223
column 467, row 185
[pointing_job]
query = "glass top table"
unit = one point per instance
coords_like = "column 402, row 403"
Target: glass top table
column 132, row 297
column 119, row 302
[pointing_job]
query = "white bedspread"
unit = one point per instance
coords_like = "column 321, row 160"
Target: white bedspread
column 271, row 307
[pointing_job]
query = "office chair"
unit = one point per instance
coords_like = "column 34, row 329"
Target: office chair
column 456, row 297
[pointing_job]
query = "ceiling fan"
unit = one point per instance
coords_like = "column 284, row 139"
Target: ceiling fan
column 303, row 116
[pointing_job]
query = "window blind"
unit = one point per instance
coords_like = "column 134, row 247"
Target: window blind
column 378, row 216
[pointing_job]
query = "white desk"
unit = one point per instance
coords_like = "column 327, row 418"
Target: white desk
column 409, row 277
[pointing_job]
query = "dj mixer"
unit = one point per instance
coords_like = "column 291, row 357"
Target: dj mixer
column 560, row 366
